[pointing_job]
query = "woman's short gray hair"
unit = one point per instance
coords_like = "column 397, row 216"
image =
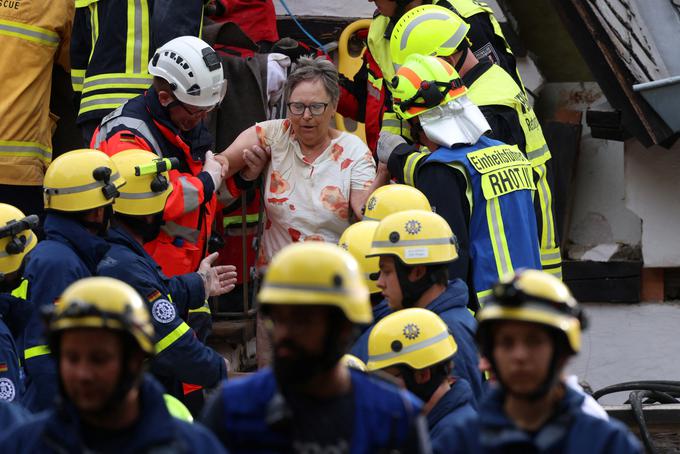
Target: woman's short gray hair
column 319, row 68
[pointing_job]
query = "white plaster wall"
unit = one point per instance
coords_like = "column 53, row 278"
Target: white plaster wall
column 599, row 215
column 652, row 185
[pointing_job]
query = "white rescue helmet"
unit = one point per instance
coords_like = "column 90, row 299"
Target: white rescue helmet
column 193, row 69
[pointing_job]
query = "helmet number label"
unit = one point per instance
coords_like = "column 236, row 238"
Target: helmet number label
column 416, row 253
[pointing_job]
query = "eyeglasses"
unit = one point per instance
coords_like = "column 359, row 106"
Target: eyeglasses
column 194, row 113
column 315, row 108
column 198, row 111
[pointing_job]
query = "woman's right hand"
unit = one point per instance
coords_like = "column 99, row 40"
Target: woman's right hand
column 256, row 159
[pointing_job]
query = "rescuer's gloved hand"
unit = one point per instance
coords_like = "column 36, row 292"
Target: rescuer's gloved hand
column 213, row 167
column 387, row 142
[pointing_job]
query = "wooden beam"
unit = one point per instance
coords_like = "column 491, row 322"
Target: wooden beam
column 612, row 75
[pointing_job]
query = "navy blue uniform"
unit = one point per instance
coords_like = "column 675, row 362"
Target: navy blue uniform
column 569, row 431
column 451, row 306
column 245, row 416
column 15, row 313
column 68, row 253
column 12, row 415
column 360, row 347
column 456, row 409
column 180, row 356
column 61, row 431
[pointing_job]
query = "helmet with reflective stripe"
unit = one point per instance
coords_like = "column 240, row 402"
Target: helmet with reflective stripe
column 107, row 303
column 356, row 239
column 193, row 69
column 427, row 30
column 16, row 237
column 81, row 180
column 416, row 237
column 415, row 337
column 316, row 273
column 536, row 297
column 393, row 198
column 423, row 83
column 148, row 186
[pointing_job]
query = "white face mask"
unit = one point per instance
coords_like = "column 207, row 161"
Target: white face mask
column 458, row 122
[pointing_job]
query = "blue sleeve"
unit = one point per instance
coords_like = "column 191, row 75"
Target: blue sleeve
column 48, row 275
column 179, row 354
column 187, row 291
column 459, row 439
column 20, row 433
column 11, row 386
column 185, row 358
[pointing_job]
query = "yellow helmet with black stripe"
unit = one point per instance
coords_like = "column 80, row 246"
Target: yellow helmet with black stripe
column 81, row 180
column 536, row 297
column 107, row 303
column 416, row 237
column 316, row 273
column 414, row 337
column 148, row 186
column 16, row 237
column 423, row 83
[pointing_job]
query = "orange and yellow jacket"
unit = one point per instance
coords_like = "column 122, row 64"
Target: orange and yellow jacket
column 32, row 38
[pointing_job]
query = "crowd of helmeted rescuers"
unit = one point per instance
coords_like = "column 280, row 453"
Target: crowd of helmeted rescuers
column 405, row 305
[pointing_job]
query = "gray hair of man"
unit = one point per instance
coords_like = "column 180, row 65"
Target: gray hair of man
column 311, row 69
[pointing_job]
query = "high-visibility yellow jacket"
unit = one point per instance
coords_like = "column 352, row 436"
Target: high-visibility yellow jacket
column 112, row 43
column 33, row 36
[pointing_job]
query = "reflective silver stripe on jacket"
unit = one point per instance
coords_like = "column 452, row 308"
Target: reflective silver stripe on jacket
column 189, row 195
column 173, row 229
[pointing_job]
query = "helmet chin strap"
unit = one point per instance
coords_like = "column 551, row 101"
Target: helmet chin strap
column 411, row 291
column 461, row 61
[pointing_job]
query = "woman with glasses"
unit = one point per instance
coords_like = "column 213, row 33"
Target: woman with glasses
column 316, row 178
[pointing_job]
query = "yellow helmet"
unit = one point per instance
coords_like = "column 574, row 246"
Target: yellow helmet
column 317, row 273
column 532, row 296
column 393, row 198
column 423, row 83
column 353, row 362
column 104, row 302
column 81, row 180
column 415, row 337
column 427, row 30
column 416, row 237
column 356, row 239
column 16, row 237
column 148, row 186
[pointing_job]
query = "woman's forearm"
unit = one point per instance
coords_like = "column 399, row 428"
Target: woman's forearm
column 234, row 152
